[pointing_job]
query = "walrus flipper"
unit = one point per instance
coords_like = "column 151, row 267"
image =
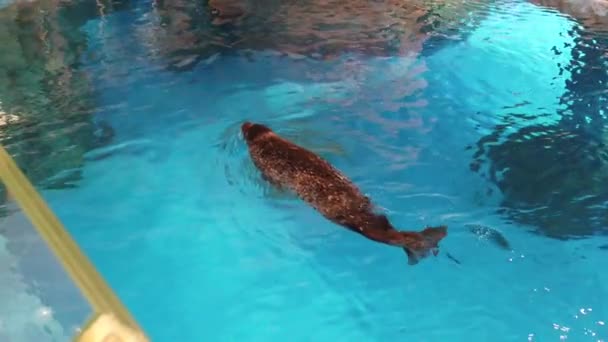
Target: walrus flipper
column 427, row 241
column 412, row 259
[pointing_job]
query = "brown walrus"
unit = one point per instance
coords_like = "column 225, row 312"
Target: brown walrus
column 291, row 167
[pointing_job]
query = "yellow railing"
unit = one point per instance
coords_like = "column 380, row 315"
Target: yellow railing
column 111, row 321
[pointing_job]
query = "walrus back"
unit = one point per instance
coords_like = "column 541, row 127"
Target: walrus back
column 289, row 166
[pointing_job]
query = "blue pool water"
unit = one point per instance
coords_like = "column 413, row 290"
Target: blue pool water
column 175, row 217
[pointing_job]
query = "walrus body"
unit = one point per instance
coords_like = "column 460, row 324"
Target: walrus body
column 291, row 167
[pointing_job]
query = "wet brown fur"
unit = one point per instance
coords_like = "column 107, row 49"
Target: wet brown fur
column 291, row 167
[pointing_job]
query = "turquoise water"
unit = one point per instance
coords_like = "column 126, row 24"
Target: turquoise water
column 175, row 217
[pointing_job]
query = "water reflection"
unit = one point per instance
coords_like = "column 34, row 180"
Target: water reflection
column 553, row 175
column 187, row 32
column 46, row 100
column 592, row 14
column 43, row 87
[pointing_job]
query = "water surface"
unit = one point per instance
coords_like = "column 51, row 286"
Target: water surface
column 171, row 210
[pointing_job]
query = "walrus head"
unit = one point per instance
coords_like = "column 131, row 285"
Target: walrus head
column 252, row 131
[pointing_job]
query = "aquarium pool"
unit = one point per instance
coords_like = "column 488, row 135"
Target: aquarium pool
column 199, row 248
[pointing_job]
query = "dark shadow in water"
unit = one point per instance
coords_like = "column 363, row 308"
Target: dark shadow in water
column 553, row 177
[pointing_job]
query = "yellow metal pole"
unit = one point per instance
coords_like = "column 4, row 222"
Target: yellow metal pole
column 77, row 265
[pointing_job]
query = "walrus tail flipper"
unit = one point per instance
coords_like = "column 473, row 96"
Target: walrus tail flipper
column 424, row 242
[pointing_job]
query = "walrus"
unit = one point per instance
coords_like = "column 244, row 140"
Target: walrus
column 290, row 167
